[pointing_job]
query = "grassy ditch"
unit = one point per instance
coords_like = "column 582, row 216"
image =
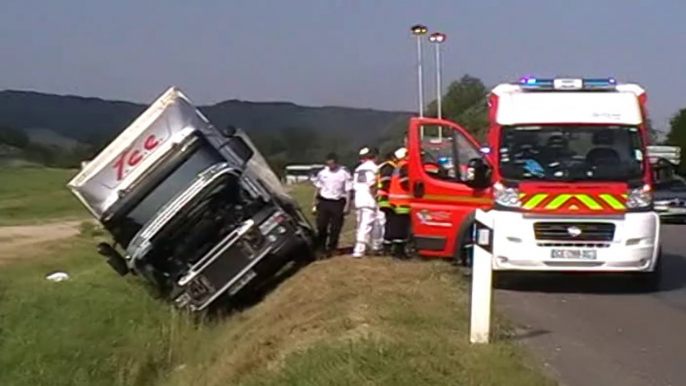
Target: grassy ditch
column 337, row 322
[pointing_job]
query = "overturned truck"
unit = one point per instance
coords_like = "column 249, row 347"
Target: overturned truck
column 193, row 209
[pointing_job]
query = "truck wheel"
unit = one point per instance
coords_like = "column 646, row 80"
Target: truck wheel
column 304, row 255
column 462, row 256
column 118, row 264
column 113, row 258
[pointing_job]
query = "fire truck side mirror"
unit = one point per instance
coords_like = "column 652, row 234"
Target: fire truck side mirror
column 478, row 174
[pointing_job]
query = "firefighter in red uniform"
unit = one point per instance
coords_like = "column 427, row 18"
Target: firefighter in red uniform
column 399, row 199
column 383, row 187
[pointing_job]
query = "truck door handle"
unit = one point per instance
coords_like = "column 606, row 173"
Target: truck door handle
column 418, row 189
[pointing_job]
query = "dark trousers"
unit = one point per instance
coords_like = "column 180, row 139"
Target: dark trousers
column 398, row 233
column 329, row 223
column 389, row 213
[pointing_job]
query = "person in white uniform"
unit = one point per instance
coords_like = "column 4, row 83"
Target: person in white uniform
column 369, row 231
column 332, row 202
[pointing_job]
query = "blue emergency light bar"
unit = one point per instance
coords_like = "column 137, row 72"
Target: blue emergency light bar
column 562, row 84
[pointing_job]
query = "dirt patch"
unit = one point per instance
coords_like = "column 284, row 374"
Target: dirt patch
column 28, row 240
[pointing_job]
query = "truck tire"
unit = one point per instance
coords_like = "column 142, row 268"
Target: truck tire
column 462, row 255
column 113, row 258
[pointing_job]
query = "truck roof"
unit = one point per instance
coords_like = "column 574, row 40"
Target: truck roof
column 125, row 161
column 520, row 104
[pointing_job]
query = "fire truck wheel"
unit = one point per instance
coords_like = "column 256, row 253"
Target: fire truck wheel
column 462, row 256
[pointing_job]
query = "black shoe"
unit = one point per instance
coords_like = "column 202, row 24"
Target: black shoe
column 398, row 252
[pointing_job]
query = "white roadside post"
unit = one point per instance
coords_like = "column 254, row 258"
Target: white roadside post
column 482, row 277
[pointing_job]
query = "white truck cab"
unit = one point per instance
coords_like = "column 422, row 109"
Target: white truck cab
column 193, row 209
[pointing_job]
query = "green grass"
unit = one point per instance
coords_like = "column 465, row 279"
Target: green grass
column 337, row 322
column 36, row 194
column 95, row 329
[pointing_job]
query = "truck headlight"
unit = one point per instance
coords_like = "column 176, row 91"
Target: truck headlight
column 274, row 221
column 639, row 198
column 505, row 196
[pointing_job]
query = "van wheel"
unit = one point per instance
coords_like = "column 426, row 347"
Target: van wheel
column 462, row 256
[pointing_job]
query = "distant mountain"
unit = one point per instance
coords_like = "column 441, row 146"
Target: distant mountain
column 94, row 119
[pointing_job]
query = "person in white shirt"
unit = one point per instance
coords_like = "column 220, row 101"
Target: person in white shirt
column 369, row 231
column 332, row 202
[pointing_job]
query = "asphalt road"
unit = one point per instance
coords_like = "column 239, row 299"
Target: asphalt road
column 596, row 331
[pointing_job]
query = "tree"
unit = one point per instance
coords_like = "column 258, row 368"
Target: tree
column 677, row 134
column 462, row 95
column 465, row 103
column 13, row 137
column 653, row 136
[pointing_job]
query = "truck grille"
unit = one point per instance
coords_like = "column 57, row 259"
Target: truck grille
column 574, row 231
column 227, row 266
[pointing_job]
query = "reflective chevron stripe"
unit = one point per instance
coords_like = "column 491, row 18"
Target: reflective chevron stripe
column 534, row 201
column 558, row 201
column 537, row 201
column 613, row 202
column 589, row 202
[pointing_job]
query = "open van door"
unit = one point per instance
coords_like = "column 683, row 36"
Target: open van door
column 442, row 161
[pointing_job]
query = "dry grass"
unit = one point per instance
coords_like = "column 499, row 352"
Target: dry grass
column 33, row 240
column 346, row 321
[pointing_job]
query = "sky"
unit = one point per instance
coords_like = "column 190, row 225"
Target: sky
column 357, row 53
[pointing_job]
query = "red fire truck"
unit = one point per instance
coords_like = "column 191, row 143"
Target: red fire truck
column 565, row 174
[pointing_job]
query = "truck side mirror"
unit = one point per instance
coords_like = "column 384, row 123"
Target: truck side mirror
column 478, row 174
column 229, row 131
column 241, row 149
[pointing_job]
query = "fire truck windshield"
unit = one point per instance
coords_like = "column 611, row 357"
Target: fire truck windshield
column 571, row 153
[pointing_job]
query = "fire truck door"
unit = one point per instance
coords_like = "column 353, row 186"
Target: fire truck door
column 441, row 200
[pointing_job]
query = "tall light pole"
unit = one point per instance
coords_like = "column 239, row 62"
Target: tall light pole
column 419, row 31
column 437, row 38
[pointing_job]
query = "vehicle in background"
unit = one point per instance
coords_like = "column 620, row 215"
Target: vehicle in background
column 294, row 174
column 670, row 189
column 672, row 154
column 670, row 200
column 566, row 176
column 193, row 209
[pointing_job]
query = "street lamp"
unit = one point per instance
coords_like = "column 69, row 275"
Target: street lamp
column 419, row 31
column 437, row 38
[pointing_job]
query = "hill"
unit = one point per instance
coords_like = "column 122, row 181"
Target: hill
column 92, row 120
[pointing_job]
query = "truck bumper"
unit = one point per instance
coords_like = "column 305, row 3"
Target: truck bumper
column 626, row 243
column 236, row 264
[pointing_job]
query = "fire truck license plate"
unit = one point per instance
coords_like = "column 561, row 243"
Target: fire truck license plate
column 579, row 254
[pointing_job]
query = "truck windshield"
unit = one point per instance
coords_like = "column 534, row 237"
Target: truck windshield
column 571, row 153
column 182, row 176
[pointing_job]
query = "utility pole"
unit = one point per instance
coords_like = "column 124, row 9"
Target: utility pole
column 419, row 31
column 437, row 39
